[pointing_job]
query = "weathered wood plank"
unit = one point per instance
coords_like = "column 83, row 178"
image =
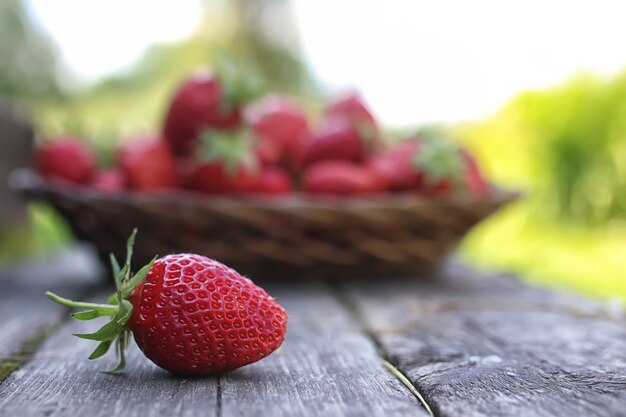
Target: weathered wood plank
column 60, row 381
column 327, row 367
column 23, row 306
column 477, row 345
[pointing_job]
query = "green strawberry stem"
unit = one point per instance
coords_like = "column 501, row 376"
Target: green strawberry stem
column 233, row 149
column 79, row 304
column 119, row 309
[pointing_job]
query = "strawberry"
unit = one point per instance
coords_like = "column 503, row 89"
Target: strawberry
column 109, row 181
column 225, row 165
column 341, row 178
column 398, row 167
column 474, row 179
column 208, row 100
column 336, row 138
column 274, row 181
column 443, row 165
column 353, row 107
column 279, row 124
column 268, row 152
column 67, row 160
column 148, row 164
column 197, row 104
column 217, row 178
column 188, row 314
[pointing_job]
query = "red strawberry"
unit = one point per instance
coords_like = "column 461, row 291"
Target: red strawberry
column 398, row 166
column 273, row 181
column 352, row 107
column 189, row 314
column 337, row 138
column 217, row 178
column 208, row 100
column 110, row 181
column 268, row 152
column 199, row 103
column 66, row 159
column 148, row 165
column 225, row 164
column 474, row 179
column 342, row 178
column 279, row 124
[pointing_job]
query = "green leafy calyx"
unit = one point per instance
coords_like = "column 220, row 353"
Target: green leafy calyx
column 233, row 149
column 119, row 309
column 439, row 160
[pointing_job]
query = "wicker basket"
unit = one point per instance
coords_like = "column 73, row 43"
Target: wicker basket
column 263, row 237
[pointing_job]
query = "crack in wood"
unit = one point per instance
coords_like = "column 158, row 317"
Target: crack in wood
column 218, row 407
column 26, row 351
column 29, row 347
column 407, row 383
column 344, row 301
column 477, row 348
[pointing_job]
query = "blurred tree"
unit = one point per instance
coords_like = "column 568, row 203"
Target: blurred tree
column 265, row 36
column 28, row 65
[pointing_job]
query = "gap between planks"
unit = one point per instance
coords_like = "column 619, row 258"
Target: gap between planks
column 316, row 386
column 16, row 360
column 339, row 292
column 32, row 343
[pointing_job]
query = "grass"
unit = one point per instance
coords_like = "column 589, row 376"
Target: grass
column 550, row 253
column 13, row 363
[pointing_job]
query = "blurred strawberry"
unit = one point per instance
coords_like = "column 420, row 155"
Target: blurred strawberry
column 279, row 124
column 225, row 164
column 341, row 178
column 336, row 138
column 207, row 100
column 474, row 180
column 353, row 107
column 198, row 103
column 443, row 166
column 398, row 167
column 109, row 181
column 148, row 164
column 274, row 181
column 267, row 151
column 216, row 178
column 67, row 160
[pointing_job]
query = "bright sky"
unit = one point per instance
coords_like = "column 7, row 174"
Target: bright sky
column 98, row 37
column 415, row 61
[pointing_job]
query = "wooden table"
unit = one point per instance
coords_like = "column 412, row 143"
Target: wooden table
column 467, row 343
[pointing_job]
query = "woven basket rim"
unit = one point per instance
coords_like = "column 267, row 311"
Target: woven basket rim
column 29, row 183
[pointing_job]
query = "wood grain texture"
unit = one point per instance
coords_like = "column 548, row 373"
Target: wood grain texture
column 23, row 306
column 477, row 345
column 327, row 367
column 60, row 381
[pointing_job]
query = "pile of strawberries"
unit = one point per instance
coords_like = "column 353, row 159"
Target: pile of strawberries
column 217, row 139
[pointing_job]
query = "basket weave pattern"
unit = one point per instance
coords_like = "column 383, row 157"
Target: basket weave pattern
column 296, row 236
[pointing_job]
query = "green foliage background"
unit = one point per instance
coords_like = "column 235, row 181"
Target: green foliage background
column 565, row 148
